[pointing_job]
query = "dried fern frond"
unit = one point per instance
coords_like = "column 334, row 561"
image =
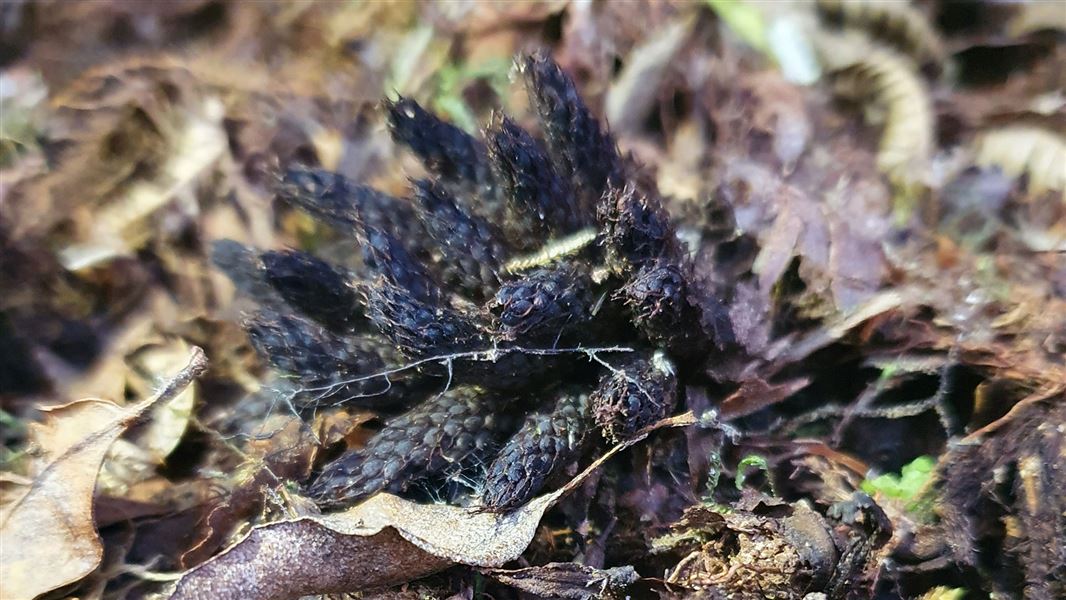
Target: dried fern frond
column 907, row 139
column 898, row 24
column 1020, row 150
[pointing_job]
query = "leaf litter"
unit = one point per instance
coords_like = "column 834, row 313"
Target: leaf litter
column 52, row 518
column 381, row 542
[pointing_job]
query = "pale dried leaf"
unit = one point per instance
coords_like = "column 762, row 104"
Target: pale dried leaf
column 51, row 524
column 384, row 541
column 119, row 226
column 169, row 419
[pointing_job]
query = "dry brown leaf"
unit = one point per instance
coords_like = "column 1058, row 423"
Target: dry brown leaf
column 290, row 559
column 799, row 228
column 791, row 351
column 119, row 226
column 837, row 235
column 681, row 173
column 169, row 419
column 51, row 524
column 384, row 541
column 756, row 394
column 135, row 457
column 778, row 109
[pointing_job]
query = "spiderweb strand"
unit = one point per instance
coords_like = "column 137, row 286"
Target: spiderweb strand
column 447, row 360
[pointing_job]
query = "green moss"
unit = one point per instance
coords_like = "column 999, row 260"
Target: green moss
column 753, row 460
column 908, row 486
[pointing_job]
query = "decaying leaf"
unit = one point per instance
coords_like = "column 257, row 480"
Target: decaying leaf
column 51, row 524
column 296, row 558
column 835, row 234
column 384, row 541
column 568, row 580
column 161, row 434
column 799, row 349
column 133, row 458
column 118, row 227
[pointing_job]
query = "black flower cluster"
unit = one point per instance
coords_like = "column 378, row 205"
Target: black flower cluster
column 496, row 282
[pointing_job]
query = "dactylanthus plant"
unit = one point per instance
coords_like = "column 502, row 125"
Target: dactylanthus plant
column 529, row 298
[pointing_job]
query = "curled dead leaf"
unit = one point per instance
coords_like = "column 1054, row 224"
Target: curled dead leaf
column 51, row 524
column 797, row 350
column 134, row 457
column 384, row 541
column 120, row 226
column 295, row 558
